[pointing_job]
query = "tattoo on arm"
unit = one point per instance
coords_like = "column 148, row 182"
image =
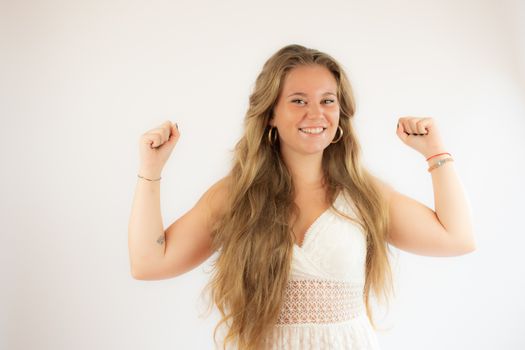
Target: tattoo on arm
column 161, row 239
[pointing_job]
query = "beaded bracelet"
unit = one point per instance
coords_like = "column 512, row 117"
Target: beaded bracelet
column 142, row 177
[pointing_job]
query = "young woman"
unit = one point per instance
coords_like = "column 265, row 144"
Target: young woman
column 301, row 228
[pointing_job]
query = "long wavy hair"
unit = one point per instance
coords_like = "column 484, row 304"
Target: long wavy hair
column 254, row 237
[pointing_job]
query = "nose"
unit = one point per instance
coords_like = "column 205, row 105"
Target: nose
column 315, row 111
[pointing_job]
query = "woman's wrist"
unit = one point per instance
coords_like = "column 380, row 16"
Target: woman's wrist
column 435, row 152
column 149, row 174
column 437, row 157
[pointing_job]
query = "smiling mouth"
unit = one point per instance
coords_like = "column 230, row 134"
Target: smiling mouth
column 312, row 131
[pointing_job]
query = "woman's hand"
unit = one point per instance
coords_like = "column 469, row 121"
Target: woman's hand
column 421, row 134
column 155, row 148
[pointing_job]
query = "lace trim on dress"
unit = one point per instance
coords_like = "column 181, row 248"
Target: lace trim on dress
column 321, row 301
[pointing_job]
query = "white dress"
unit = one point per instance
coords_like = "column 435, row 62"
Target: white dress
column 324, row 306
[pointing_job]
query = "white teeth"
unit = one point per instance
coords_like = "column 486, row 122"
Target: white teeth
column 312, row 130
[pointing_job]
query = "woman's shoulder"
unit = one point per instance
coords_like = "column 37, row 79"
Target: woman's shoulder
column 220, row 187
column 217, row 196
column 384, row 188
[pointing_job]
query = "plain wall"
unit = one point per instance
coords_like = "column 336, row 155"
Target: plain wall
column 80, row 81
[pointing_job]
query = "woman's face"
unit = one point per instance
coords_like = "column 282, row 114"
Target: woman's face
column 307, row 112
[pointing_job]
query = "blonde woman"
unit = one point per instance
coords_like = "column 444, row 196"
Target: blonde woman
column 301, row 228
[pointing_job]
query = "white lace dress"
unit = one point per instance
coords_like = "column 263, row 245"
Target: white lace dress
column 324, row 306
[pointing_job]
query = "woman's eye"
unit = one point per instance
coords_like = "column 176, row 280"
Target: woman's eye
column 330, row 101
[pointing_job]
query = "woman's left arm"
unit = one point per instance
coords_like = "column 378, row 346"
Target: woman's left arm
column 447, row 231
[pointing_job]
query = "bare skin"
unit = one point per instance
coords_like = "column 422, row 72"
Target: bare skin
column 447, row 231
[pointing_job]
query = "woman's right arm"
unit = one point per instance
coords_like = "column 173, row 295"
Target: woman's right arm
column 145, row 228
column 185, row 244
column 155, row 253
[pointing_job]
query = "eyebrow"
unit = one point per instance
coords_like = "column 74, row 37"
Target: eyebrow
column 303, row 94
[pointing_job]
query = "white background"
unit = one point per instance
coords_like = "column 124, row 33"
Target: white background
column 80, row 81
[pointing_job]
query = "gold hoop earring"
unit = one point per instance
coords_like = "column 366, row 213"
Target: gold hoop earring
column 339, row 138
column 272, row 138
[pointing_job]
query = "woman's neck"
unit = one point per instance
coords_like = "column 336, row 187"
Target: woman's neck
column 307, row 171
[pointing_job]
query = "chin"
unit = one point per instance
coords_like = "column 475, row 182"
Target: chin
column 312, row 150
column 305, row 149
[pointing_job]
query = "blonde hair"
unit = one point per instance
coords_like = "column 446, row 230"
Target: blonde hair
column 254, row 237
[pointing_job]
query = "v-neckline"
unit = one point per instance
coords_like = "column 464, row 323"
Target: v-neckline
column 308, row 231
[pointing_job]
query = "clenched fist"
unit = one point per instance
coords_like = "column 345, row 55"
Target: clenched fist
column 421, row 134
column 155, row 148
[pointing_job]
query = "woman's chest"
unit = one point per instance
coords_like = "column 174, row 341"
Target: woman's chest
column 311, row 208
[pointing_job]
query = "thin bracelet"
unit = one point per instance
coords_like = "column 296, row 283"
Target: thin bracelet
column 439, row 154
column 440, row 163
column 142, row 177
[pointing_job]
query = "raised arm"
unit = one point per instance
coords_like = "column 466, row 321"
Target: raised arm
column 414, row 227
column 187, row 240
column 145, row 230
column 418, row 229
column 156, row 253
